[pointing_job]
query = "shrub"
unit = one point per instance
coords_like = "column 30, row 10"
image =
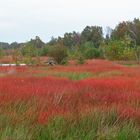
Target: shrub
column 120, row 50
column 59, row 53
column 29, row 50
column 1, row 53
column 44, row 51
column 17, row 56
column 91, row 53
column 137, row 53
column 80, row 58
column 114, row 50
column 128, row 54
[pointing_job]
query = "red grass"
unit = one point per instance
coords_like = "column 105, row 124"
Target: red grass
column 59, row 96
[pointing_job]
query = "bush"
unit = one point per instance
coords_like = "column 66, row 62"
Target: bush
column 80, row 58
column 128, row 54
column 91, row 53
column 59, row 53
column 29, row 60
column 119, row 50
column 137, row 53
column 114, row 50
column 29, row 50
column 17, row 56
column 44, row 51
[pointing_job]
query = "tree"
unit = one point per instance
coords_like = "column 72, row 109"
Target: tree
column 71, row 39
column 4, row 45
column 92, row 34
column 108, row 34
column 120, row 31
column 137, row 53
column 134, row 33
column 53, row 41
column 36, row 43
column 14, row 45
column 68, row 39
column 134, row 30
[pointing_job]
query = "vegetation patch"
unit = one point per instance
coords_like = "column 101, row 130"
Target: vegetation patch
column 74, row 75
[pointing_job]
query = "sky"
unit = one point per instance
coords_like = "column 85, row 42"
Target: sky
column 21, row 20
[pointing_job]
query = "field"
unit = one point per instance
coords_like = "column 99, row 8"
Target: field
column 99, row 100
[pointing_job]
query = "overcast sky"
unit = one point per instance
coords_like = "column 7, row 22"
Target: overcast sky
column 21, row 20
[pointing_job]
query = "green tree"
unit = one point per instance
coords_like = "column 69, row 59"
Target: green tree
column 92, row 34
column 120, row 31
column 37, row 42
column 134, row 33
column 71, row 39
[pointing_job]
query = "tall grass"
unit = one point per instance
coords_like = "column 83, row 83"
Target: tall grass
column 54, row 107
column 94, row 126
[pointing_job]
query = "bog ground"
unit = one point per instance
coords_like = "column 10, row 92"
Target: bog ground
column 99, row 100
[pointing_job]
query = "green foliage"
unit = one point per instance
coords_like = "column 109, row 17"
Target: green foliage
column 59, row 53
column 120, row 31
column 17, row 56
column 120, row 43
column 114, row 50
column 71, row 39
column 128, row 54
column 80, row 57
column 102, row 50
column 137, row 53
column 37, row 42
column 44, row 51
column 119, row 50
column 85, row 51
column 128, row 28
column 72, row 53
column 29, row 50
column 1, row 53
column 34, row 48
column 90, row 51
column 92, row 34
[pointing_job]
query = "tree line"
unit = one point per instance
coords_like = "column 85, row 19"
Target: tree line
column 121, row 43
